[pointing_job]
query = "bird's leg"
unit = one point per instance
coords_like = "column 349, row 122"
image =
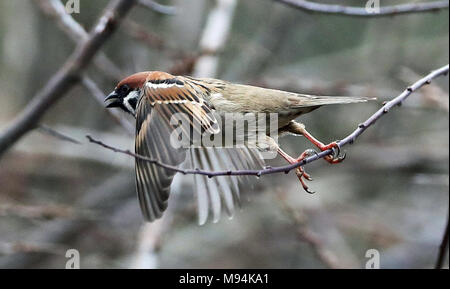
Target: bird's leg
column 299, row 129
column 300, row 171
column 332, row 159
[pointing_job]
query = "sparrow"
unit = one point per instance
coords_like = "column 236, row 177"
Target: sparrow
column 153, row 97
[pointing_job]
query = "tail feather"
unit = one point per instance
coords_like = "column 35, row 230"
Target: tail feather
column 313, row 100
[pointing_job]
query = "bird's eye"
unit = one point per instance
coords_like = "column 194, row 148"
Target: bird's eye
column 124, row 89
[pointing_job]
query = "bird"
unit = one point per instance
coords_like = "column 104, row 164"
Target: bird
column 154, row 97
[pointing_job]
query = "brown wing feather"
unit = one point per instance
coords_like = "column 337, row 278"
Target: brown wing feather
column 163, row 95
column 153, row 182
column 163, row 88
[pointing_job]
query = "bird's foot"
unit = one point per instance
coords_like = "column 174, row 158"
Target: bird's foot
column 336, row 157
column 301, row 173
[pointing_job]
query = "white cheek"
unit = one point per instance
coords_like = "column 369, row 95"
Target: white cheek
column 126, row 101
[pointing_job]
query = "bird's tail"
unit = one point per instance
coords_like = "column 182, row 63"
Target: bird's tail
column 314, row 100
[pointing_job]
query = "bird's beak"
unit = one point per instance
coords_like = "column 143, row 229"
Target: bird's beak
column 112, row 100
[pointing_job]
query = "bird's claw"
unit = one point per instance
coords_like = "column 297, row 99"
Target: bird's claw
column 342, row 157
column 336, row 157
column 309, row 191
column 336, row 151
column 301, row 174
column 300, row 171
column 308, row 177
column 309, row 152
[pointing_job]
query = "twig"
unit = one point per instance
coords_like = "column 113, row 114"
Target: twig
column 443, row 247
column 163, row 9
column 67, row 76
column 128, row 152
column 55, row 9
column 56, row 134
column 433, row 95
column 350, row 139
column 309, row 6
column 396, row 101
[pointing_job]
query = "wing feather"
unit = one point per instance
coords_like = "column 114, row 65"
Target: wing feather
column 153, row 182
column 161, row 98
column 222, row 191
column 183, row 98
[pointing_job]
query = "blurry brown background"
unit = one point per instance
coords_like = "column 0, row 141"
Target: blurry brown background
column 391, row 194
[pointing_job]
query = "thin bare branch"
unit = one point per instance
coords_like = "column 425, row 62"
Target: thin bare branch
column 154, row 6
column 443, row 248
column 55, row 9
column 67, row 76
column 350, row 139
column 56, row 134
column 309, row 6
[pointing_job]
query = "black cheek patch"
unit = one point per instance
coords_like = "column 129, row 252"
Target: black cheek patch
column 123, row 107
column 133, row 102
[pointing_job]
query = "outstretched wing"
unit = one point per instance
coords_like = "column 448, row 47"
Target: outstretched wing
column 162, row 97
column 153, row 182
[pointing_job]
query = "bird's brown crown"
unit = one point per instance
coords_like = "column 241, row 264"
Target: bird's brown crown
column 137, row 80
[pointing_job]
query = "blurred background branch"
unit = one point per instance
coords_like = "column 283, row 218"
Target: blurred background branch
column 214, row 37
column 56, row 134
column 443, row 248
column 310, row 6
column 56, row 10
column 67, row 76
column 154, row 6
